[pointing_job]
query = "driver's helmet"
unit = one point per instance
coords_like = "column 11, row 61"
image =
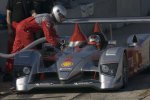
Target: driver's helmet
column 94, row 40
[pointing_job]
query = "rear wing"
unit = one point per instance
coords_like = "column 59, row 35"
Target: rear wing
column 110, row 20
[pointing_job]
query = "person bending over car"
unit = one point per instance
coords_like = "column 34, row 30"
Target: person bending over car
column 30, row 25
column 26, row 28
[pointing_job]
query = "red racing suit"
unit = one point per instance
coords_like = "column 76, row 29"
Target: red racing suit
column 26, row 28
column 30, row 25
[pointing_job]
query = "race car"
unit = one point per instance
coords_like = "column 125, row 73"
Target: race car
column 100, row 67
column 105, row 68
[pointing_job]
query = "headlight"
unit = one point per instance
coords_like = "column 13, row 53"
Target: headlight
column 26, row 70
column 109, row 69
column 105, row 68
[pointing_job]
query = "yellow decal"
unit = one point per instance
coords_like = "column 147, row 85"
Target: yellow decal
column 67, row 64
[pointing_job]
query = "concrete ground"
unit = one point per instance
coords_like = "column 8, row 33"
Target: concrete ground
column 138, row 87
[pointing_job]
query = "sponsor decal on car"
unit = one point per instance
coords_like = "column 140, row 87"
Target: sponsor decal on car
column 67, row 63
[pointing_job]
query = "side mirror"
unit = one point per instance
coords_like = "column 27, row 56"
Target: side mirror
column 134, row 41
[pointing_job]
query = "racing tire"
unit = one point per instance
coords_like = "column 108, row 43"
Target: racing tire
column 125, row 71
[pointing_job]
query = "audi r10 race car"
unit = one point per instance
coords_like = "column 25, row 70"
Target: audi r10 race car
column 85, row 65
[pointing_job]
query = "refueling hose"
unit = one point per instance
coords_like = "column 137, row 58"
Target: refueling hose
column 31, row 45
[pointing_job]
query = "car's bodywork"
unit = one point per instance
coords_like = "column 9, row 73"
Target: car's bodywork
column 108, row 68
column 138, row 52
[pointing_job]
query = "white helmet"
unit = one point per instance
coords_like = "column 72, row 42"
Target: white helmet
column 59, row 12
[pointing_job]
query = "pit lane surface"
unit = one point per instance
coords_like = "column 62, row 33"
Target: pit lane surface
column 138, row 87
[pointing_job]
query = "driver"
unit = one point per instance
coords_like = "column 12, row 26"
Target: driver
column 95, row 40
column 26, row 28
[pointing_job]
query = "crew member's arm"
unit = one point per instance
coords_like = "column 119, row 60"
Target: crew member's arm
column 8, row 19
column 49, row 33
column 8, row 15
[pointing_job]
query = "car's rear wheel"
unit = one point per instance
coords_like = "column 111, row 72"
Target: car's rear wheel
column 125, row 71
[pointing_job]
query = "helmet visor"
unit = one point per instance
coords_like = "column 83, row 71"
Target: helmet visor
column 61, row 17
